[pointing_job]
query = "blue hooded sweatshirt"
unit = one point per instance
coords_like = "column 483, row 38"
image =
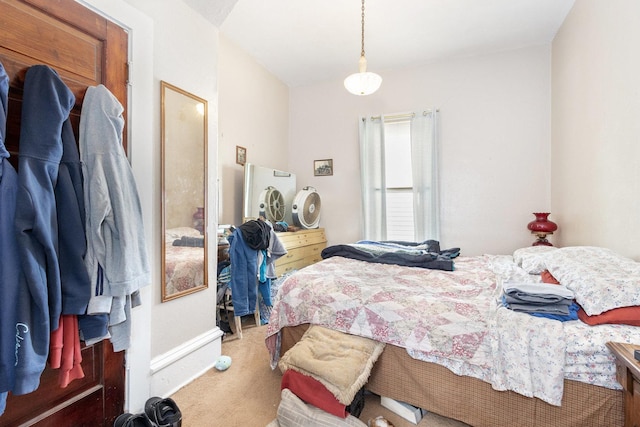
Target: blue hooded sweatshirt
column 72, row 242
column 9, row 263
column 47, row 102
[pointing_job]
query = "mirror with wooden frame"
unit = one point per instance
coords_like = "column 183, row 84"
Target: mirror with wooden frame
column 184, row 192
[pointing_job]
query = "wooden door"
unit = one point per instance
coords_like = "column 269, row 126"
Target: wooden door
column 86, row 50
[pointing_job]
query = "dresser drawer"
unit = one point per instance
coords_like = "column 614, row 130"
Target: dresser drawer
column 302, row 238
column 301, row 252
column 296, row 265
column 303, row 248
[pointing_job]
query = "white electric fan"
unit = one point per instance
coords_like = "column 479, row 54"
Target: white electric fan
column 306, row 208
column 271, row 204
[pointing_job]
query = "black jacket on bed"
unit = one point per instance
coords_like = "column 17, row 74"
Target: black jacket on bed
column 433, row 259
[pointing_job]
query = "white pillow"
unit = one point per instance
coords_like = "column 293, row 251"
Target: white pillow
column 600, row 278
column 531, row 258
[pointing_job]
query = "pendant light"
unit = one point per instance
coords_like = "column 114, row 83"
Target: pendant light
column 363, row 82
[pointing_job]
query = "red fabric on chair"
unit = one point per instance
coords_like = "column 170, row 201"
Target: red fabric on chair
column 313, row 392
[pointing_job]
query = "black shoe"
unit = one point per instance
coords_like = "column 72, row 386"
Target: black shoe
column 132, row 420
column 163, row 412
column 357, row 405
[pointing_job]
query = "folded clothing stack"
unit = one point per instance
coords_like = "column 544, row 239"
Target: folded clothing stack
column 542, row 299
column 329, row 369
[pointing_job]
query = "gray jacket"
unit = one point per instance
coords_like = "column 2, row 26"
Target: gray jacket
column 116, row 259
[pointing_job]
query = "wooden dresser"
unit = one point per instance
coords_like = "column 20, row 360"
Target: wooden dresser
column 303, row 248
column 628, row 375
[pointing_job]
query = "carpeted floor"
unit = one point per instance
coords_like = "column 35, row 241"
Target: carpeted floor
column 248, row 393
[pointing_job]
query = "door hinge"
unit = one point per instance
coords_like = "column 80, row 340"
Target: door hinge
column 129, row 79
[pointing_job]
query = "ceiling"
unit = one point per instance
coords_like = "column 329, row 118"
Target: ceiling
column 304, row 42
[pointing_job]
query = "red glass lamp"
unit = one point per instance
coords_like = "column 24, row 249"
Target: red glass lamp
column 542, row 227
column 198, row 219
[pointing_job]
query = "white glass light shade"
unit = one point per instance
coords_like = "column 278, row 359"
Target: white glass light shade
column 363, row 82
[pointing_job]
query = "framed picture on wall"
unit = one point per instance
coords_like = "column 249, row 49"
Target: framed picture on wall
column 323, row 167
column 241, row 155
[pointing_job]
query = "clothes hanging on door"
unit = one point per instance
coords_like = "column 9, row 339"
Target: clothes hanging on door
column 10, row 272
column 30, row 262
column 47, row 102
column 72, row 242
column 116, row 248
column 43, row 244
column 65, row 351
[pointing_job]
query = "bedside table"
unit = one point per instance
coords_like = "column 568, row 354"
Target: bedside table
column 628, row 375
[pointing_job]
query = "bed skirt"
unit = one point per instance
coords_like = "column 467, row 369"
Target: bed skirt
column 472, row 401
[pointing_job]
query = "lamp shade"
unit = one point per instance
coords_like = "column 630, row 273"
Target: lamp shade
column 363, row 82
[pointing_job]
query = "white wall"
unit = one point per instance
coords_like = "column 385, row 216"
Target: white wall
column 595, row 171
column 184, row 338
column 495, row 136
column 254, row 113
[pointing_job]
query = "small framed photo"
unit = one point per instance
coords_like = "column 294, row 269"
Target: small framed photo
column 241, row 155
column 323, row 167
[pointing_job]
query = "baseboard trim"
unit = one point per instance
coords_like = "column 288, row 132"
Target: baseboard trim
column 178, row 353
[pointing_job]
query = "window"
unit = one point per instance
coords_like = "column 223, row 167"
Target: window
column 398, row 180
column 398, row 162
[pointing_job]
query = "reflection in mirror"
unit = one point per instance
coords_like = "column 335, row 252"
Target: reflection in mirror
column 184, row 172
column 268, row 193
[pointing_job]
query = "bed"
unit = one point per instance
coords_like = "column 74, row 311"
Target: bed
column 452, row 348
column 184, row 260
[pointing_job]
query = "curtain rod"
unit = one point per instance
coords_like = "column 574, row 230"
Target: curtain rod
column 402, row 116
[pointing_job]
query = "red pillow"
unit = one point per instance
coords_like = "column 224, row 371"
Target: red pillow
column 620, row 316
column 548, row 278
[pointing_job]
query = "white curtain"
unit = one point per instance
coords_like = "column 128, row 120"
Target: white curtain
column 424, row 163
column 424, row 158
column 372, row 174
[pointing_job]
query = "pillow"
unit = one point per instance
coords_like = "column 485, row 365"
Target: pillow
column 620, row 316
column 293, row 412
column 531, row 258
column 600, row 278
column 172, row 234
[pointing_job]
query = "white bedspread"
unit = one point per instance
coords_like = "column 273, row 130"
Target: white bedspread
column 528, row 355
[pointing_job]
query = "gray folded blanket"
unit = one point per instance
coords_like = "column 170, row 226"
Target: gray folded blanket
column 559, row 309
column 540, row 299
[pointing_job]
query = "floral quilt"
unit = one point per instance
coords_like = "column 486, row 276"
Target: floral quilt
column 450, row 318
column 434, row 314
column 184, row 268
